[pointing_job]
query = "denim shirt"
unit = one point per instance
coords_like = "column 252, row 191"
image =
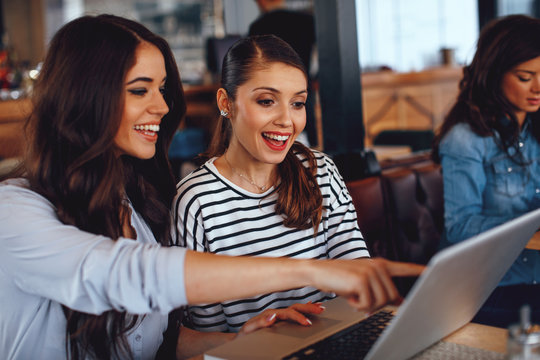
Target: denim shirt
column 484, row 187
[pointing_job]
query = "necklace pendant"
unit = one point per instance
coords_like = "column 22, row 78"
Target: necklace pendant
column 245, row 177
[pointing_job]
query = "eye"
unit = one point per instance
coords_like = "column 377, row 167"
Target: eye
column 265, row 102
column 162, row 90
column 138, row 92
column 523, row 76
column 298, row 105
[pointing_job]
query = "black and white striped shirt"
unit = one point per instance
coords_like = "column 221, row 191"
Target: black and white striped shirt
column 214, row 215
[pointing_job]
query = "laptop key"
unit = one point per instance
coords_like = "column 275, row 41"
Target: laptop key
column 351, row 343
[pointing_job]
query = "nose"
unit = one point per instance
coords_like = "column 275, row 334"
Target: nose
column 284, row 118
column 535, row 87
column 158, row 105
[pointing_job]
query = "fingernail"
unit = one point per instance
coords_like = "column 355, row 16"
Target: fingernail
column 271, row 317
column 322, row 307
column 309, row 322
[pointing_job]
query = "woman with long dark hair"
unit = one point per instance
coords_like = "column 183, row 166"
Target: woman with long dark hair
column 489, row 148
column 86, row 270
column 262, row 193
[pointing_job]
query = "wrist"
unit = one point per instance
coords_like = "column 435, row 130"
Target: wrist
column 307, row 272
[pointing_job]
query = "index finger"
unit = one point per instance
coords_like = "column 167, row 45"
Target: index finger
column 309, row 308
column 397, row 268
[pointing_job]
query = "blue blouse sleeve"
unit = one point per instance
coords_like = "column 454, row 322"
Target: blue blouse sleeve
column 462, row 158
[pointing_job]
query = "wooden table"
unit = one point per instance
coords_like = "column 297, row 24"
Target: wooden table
column 385, row 152
column 13, row 114
column 473, row 335
column 480, row 336
column 534, row 243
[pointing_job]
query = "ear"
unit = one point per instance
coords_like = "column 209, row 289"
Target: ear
column 223, row 102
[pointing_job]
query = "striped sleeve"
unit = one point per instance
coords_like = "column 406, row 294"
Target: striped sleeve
column 344, row 239
column 208, row 317
column 188, row 230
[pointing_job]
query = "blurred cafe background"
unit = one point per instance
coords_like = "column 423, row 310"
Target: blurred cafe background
column 384, row 71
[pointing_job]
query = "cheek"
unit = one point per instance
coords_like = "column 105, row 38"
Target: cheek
column 300, row 122
column 121, row 140
column 250, row 119
column 508, row 94
column 513, row 91
column 123, row 130
column 126, row 124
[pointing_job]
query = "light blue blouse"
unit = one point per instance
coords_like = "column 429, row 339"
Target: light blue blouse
column 484, row 187
column 45, row 263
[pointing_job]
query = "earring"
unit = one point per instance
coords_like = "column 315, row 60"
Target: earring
column 224, row 113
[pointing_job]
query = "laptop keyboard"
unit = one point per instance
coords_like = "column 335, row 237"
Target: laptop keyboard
column 353, row 342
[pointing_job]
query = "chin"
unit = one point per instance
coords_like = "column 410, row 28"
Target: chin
column 147, row 157
column 277, row 160
column 143, row 155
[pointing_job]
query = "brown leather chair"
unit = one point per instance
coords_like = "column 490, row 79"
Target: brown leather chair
column 414, row 232
column 413, row 229
column 371, row 209
column 430, row 182
column 400, row 213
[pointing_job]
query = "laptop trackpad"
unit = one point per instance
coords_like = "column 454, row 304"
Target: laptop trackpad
column 319, row 324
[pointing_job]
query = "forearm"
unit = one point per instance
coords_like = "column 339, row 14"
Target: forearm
column 213, row 278
column 365, row 282
column 460, row 227
column 192, row 343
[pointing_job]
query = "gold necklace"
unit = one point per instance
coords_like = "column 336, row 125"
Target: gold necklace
column 245, row 177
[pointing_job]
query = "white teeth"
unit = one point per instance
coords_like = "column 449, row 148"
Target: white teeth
column 154, row 128
column 277, row 137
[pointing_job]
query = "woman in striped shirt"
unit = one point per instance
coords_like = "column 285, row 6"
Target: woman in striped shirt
column 86, row 270
column 260, row 193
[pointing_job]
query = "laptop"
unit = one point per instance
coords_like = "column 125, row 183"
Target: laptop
column 447, row 295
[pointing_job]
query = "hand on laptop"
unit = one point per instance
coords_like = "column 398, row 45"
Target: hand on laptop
column 199, row 342
column 366, row 283
column 293, row 313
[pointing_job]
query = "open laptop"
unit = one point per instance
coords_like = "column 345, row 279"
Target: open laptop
column 446, row 296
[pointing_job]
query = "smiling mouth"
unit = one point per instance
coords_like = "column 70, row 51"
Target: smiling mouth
column 275, row 139
column 149, row 130
column 276, row 142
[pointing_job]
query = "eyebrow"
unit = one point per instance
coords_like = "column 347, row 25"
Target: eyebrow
column 143, row 78
column 526, row 71
column 276, row 90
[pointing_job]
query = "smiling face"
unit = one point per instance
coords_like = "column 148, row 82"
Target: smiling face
column 268, row 114
column 521, row 87
column 144, row 105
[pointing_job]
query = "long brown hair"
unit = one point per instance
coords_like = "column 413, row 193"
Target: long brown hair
column 502, row 44
column 77, row 109
column 299, row 196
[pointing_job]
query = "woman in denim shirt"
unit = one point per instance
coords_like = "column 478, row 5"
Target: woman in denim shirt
column 489, row 150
